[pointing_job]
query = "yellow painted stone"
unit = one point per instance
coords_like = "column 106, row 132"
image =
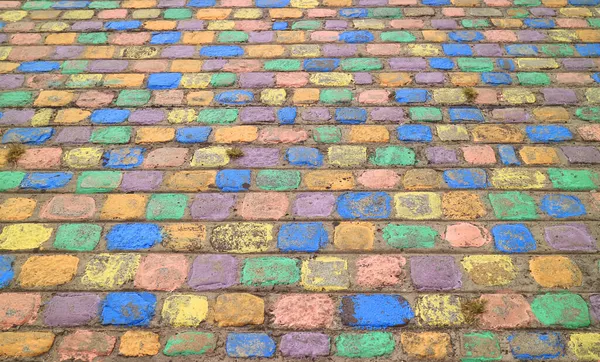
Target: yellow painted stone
column 124, row 207
column 354, row 236
column 78, row 14
column 369, row 134
column 551, row 114
column 492, row 133
column 213, row 14
column 154, row 134
column 490, row 270
column 439, row 310
column 123, row 80
column 418, row 205
column 586, row 346
column 200, row 98
column 331, row 79
column 536, row 63
column 139, row 344
column 421, row 179
column 265, row 51
column 78, row 79
column 242, row 237
column 48, row 270
column 146, row 14
column 236, row 134
column 325, row 273
column 60, row 38
column 514, row 178
column 563, row 35
column 109, row 271
column 465, row 79
column 305, row 96
column 304, row 4
column 71, row 116
column 424, row 50
column 184, row 236
column 437, row 36
column 393, row 79
column 185, row 115
column 518, row 96
column 239, row 309
column 576, row 12
column 370, row 24
column 4, row 52
column 305, row 50
column 12, row 15
column 460, row 205
column 83, row 157
column 17, row 209
column 285, row 13
column 191, row 181
column 210, row 157
column 329, row 180
column 555, row 272
column 221, row 25
column 54, row 26
column 52, row 98
column 195, row 80
column 539, row 155
column 139, row 52
column 248, row 14
column 7, row 67
column 198, row 37
column 290, row 37
column 593, row 95
column 452, row 132
column 24, row 236
column 185, row 310
column 273, row 97
column 449, row 96
column 42, row 117
column 429, row 345
column 25, row 344
column 347, row 156
column 186, row 65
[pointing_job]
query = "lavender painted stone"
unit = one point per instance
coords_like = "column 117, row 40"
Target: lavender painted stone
column 16, row 116
column 11, row 81
column 67, row 51
column 339, row 50
column 171, row 3
column 141, row 180
column 487, row 50
column 510, row 115
column 190, row 25
column 429, row 78
column 595, row 306
column 258, row 157
column 3, row 38
column 87, row 25
column 579, row 64
column 443, row 24
column 214, row 207
column 542, row 12
column 107, row 65
column 257, row 80
column 314, row 204
column 257, row 114
column 530, row 35
column 559, row 96
column 211, row 272
column 147, row 116
column 581, row 154
column 179, row 51
column 387, row 114
column 304, row 344
column 438, row 155
column 74, row 135
column 73, row 309
column 210, row 65
column 435, row 273
column 261, row 36
column 363, row 78
column 570, row 237
column 316, row 114
column 408, row 64
column 336, row 24
column 367, row 3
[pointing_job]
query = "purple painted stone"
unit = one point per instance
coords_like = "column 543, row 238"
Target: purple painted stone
column 435, row 273
column 579, row 64
column 581, row 154
column 77, row 135
column 73, row 309
column 179, row 51
column 487, row 50
column 147, row 116
column 314, row 204
column 408, row 64
column 3, row 38
column 67, row 51
column 336, row 24
column 595, row 306
column 258, row 157
column 372, row 3
column 87, row 25
column 570, row 237
column 429, row 78
column 213, row 64
column 11, row 81
column 437, row 155
column 316, row 114
column 510, row 115
column 257, row 80
column 107, row 65
column 443, row 24
column 190, row 25
column 16, row 116
column 171, row 3
column 387, row 114
column 212, row 206
column 542, row 12
column 363, row 78
column 211, row 272
column 339, row 50
column 141, row 180
column 304, row 344
column 261, row 36
column 257, row 114
column 530, row 35
column 559, row 96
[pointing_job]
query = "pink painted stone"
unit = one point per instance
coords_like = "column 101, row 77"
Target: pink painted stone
column 506, row 311
column 29, row 53
column 38, row 158
column 500, row 36
column 10, row 4
column 379, row 179
column 17, row 309
column 324, row 36
column 129, row 38
column 242, row 65
column 84, row 345
column 112, row 14
column 26, row 39
column 171, row 97
column 374, row 96
column 236, row 3
column 264, row 205
column 407, row 24
column 486, row 96
column 150, row 66
column 165, row 157
column 466, row 235
column 382, row 49
column 94, row 99
column 69, row 207
column 479, row 155
column 282, row 135
column 162, row 272
column 379, row 271
column 590, row 132
column 252, row 25
column 303, row 311
column 292, row 80
column 453, row 12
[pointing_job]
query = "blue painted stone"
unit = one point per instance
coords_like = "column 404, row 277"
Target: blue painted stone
column 466, row 178
column 530, row 346
column 354, row 13
column 412, row 95
column 31, row 136
column 595, row 76
column 356, row 37
column 235, row 97
column 124, row 158
column 128, row 309
column 522, row 50
column 506, row 64
column 123, row 25
column 272, row 3
column 109, row 116
column 465, row 115
column 539, row 23
column 513, row 238
column 133, row 236
column 304, row 156
column 364, row 205
column 321, row 64
column 465, row 36
column 584, row 2
column 38, row 67
column 588, row 50
column 350, row 115
column 6, row 270
column 375, row 311
column 201, row 3
column 158, row 81
column 280, row 25
column 287, row 115
column 495, row 78
column 46, row 180
column 245, row 345
column 306, row 237
column 441, row 63
column 233, row 180
column 66, row 4
column 508, row 156
column 193, row 134
column 414, row 133
column 167, row 37
column 2, row 24
column 562, row 206
column 436, row 2
column 221, row 51
column 457, row 50
column 548, row 133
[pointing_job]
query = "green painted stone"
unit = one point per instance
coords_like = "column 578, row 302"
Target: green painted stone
column 573, row 180
column 334, row 96
column 90, row 182
column 393, row 156
column 73, row 66
column 15, row 99
column 397, row 36
column 410, row 236
column 327, row 134
column 361, row 64
column 269, row 271
column 518, row 13
column 190, row 343
column 92, row 38
column 365, row 345
column 527, row 3
column 222, row 80
column 533, row 78
column 232, row 37
column 77, row 237
column 386, row 13
column 307, row 25
column 133, row 97
column 591, row 114
column 278, row 180
column 563, row 309
column 166, row 207
column 37, row 5
column 283, row 65
column 104, row 4
column 513, row 205
column 111, row 135
column 594, row 23
column 177, row 14
column 217, row 115
column 481, row 347
column 425, row 114
column 475, row 64
column 83, row 82
column 10, row 179
column 557, row 50
column 475, row 23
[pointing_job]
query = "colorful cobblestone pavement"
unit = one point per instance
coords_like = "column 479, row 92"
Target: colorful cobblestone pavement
column 220, row 179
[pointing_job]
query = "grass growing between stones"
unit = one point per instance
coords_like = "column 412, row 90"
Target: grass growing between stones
column 15, row 151
column 472, row 309
column 235, row 152
column 470, row 93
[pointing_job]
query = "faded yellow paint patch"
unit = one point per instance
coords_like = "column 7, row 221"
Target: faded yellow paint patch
column 16, row 209
column 586, row 346
column 42, row 117
column 193, row 80
column 347, row 156
column 418, row 205
column 329, row 180
column 424, row 50
column 185, row 236
column 71, row 116
column 25, row 344
column 124, row 207
column 48, row 270
column 518, row 96
column 331, row 79
column 24, row 236
column 325, row 273
column 512, row 178
column 430, row 345
column 185, row 310
column 242, row 237
column 110, row 270
column 536, row 63
column 273, row 97
column 191, row 181
column 248, row 14
column 221, row 25
column 179, row 116
column 555, row 272
column 83, row 157
column 449, row 96
column 304, row 4
column 210, row 157
column 13, row 15
column 236, row 134
column 354, row 236
column 490, row 270
column 4, row 52
column 439, row 310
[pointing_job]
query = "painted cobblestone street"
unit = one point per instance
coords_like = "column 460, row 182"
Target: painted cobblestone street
column 203, row 180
